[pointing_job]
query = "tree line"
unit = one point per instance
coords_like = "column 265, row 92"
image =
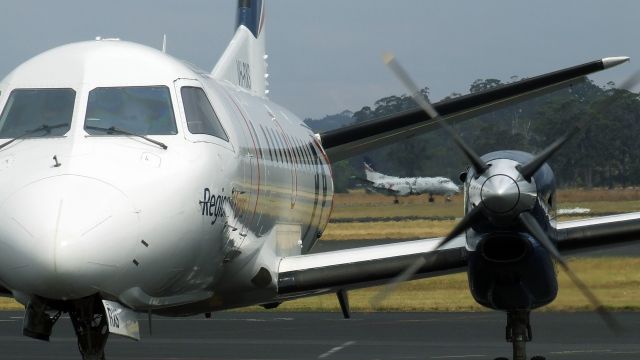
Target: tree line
column 605, row 153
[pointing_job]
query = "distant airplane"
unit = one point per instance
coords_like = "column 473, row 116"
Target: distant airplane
column 133, row 183
column 405, row 186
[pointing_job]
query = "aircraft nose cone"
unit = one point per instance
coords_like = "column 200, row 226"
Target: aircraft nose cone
column 500, row 193
column 65, row 236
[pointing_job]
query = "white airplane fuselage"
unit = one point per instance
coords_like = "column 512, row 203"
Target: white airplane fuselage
column 405, row 186
column 204, row 220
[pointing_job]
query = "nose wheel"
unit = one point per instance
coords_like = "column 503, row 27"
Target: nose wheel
column 90, row 324
column 518, row 333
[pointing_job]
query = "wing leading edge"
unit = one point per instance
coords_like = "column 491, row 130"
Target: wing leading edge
column 358, row 138
column 367, row 266
column 598, row 233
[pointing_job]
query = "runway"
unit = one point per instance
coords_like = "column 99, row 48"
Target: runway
column 275, row 335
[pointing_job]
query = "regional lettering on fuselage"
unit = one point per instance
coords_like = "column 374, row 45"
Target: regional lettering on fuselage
column 212, row 205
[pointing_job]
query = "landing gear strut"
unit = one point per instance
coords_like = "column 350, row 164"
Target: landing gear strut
column 38, row 323
column 90, row 324
column 518, row 332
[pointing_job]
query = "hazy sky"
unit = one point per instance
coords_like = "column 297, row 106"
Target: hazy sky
column 325, row 56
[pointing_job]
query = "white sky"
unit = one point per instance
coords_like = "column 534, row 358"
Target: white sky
column 325, row 56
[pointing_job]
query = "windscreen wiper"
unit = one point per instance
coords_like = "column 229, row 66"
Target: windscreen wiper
column 114, row 129
column 44, row 127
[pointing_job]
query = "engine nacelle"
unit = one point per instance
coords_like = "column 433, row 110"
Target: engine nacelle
column 510, row 271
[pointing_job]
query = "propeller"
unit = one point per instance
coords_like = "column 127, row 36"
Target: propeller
column 532, row 225
column 478, row 164
column 525, row 218
column 462, row 225
column 527, row 170
column 390, row 287
column 628, row 84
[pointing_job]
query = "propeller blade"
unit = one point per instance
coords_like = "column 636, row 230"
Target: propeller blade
column 389, row 59
column 527, row 170
column 390, row 287
column 412, row 269
column 461, row 226
column 532, row 225
column 630, row 82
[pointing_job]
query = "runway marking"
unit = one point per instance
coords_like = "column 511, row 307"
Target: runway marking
column 569, row 352
column 336, row 349
column 458, row 356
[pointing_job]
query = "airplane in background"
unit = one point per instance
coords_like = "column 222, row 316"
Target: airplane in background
column 398, row 186
column 132, row 182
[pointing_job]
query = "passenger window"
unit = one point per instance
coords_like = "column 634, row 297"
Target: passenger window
column 141, row 110
column 268, row 143
column 278, row 144
column 201, row 119
column 40, row 112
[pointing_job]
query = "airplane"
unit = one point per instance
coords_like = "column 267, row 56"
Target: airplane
column 134, row 183
column 397, row 186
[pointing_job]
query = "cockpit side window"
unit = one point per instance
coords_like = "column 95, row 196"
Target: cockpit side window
column 142, row 110
column 29, row 109
column 201, row 119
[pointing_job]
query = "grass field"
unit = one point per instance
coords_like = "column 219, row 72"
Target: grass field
column 437, row 218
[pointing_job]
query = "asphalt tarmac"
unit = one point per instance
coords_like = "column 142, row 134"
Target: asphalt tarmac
column 276, row 335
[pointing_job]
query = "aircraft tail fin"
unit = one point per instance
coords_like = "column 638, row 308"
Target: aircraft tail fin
column 371, row 174
column 243, row 63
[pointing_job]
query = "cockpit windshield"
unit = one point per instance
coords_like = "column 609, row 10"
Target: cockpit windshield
column 141, row 110
column 30, row 109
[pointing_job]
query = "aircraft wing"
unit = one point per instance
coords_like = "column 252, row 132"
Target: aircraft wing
column 367, row 266
column 358, row 138
column 598, row 233
column 374, row 265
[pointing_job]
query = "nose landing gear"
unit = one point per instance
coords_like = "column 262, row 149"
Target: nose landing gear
column 87, row 316
column 518, row 332
column 90, row 324
column 38, row 323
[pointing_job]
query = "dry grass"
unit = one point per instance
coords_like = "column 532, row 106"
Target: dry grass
column 359, row 206
column 387, row 230
column 583, row 195
column 616, row 281
column 10, row 304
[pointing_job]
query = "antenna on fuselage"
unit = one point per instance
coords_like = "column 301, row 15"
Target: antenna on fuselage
column 164, row 43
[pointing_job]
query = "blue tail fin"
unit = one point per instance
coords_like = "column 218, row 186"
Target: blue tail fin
column 251, row 15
